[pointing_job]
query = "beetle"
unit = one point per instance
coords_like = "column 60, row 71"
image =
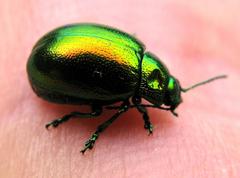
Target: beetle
column 99, row 66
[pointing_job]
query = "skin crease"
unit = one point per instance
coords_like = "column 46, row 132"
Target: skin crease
column 196, row 40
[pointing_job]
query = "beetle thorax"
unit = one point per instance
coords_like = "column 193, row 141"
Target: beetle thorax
column 154, row 79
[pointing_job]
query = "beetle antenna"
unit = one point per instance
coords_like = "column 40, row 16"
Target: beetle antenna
column 204, row 82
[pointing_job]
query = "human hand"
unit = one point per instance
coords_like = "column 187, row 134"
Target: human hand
column 195, row 40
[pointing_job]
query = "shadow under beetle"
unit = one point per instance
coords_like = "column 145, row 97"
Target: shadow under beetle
column 97, row 65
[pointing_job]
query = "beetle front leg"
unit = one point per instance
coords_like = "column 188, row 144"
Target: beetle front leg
column 90, row 142
column 96, row 111
column 147, row 124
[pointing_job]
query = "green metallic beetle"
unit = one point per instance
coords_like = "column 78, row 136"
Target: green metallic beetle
column 97, row 65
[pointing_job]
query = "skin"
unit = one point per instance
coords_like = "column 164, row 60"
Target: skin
column 196, row 40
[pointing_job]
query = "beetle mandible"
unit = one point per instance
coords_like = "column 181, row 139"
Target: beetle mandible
column 97, row 65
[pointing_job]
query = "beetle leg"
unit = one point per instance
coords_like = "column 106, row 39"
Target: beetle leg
column 147, row 124
column 96, row 111
column 90, row 142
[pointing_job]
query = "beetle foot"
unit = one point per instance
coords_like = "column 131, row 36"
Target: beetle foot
column 59, row 121
column 90, row 143
column 53, row 123
column 149, row 127
column 174, row 113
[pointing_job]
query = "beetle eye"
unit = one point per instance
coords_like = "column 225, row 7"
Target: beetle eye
column 171, row 84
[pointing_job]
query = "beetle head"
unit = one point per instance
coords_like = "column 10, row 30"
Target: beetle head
column 172, row 96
